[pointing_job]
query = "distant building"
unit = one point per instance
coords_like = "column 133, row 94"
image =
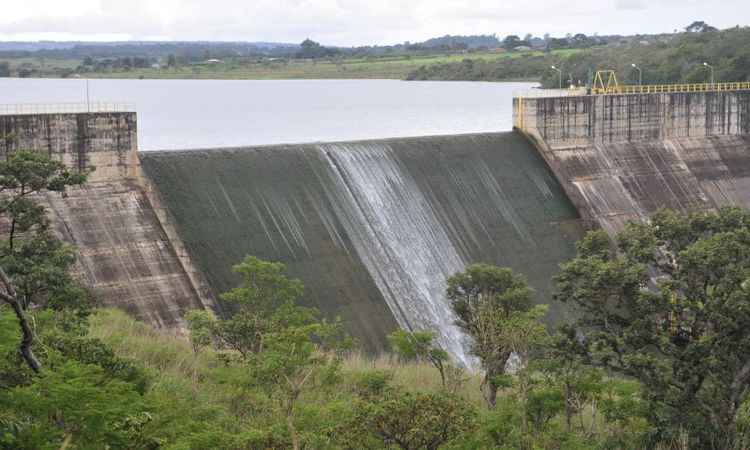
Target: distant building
column 522, row 48
column 214, row 61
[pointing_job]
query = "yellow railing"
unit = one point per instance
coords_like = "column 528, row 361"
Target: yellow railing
column 671, row 88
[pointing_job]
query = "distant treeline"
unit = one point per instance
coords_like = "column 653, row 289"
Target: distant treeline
column 678, row 58
column 200, row 50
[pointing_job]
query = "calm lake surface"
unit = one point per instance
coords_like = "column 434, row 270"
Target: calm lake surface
column 181, row 114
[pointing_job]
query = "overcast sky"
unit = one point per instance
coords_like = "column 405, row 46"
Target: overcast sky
column 350, row 22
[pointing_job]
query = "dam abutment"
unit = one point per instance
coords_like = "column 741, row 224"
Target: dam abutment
column 125, row 254
column 621, row 157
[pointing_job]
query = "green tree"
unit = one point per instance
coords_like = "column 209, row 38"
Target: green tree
column 489, row 301
column 36, row 269
column 312, row 49
column 265, row 289
column 409, row 420
column 700, row 26
column 4, row 69
column 296, row 359
column 287, row 347
column 73, row 406
column 420, row 346
column 512, row 41
column 201, row 325
column 684, row 334
column 567, row 363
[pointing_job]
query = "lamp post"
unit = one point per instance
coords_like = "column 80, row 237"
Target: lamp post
column 712, row 71
column 559, row 74
column 640, row 74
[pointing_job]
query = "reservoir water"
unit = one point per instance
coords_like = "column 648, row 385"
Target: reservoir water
column 179, row 114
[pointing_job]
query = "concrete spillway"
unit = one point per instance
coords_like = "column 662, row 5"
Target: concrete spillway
column 373, row 228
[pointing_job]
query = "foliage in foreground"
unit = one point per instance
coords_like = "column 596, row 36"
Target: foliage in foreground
column 658, row 359
column 671, row 309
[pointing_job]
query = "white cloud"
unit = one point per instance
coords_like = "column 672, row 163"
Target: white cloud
column 349, row 22
column 630, row 4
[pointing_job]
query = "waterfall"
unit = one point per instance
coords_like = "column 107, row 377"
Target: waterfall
column 397, row 235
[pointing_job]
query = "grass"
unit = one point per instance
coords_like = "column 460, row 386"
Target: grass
column 171, row 357
column 201, row 400
column 384, row 67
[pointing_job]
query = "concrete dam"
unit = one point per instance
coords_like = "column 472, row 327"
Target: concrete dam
column 374, row 228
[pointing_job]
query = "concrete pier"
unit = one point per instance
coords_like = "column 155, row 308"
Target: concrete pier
column 622, row 157
column 125, row 255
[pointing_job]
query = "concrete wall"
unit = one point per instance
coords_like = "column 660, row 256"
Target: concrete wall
column 601, row 119
column 373, row 227
column 125, row 252
column 622, row 157
column 107, row 141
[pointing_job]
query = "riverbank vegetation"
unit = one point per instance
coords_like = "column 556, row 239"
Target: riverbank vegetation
column 675, row 58
column 664, row 58
column 653, row 362
column 244, row 68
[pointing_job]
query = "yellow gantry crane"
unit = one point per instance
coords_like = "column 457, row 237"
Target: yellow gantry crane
column 609, row 87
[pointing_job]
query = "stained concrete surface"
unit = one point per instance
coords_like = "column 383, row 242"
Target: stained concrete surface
column 623, row 157
column 371, row 226
column 124, row 254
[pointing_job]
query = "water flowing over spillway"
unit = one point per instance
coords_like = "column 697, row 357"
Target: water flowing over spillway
column 398, row 237
column 373, row 228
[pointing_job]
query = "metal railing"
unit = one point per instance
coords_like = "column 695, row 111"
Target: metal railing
column 66, row 108
column 542, row 93
column 672, row 88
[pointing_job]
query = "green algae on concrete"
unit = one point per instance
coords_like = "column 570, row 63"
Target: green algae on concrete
column 355, row 220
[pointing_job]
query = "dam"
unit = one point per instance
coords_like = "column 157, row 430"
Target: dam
column 374, row 228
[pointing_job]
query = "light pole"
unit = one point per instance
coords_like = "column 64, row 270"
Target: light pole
column 712, row 71
column 559, row 74
column 640, row 74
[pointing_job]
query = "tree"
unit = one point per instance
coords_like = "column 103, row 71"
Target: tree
column 567, row 363
column 487, row 300
column 312, row 49
column 684, row 334
column 420, row 345
column 264, row 290
column 74, row 406
column 700, row 26
column 511, row 42
column 286, row 347
column 36, row 270
column 201, row 325
column 410, row 420
column 296, row 359
column 171, row 60
column 580, row 40
column 4, row 69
